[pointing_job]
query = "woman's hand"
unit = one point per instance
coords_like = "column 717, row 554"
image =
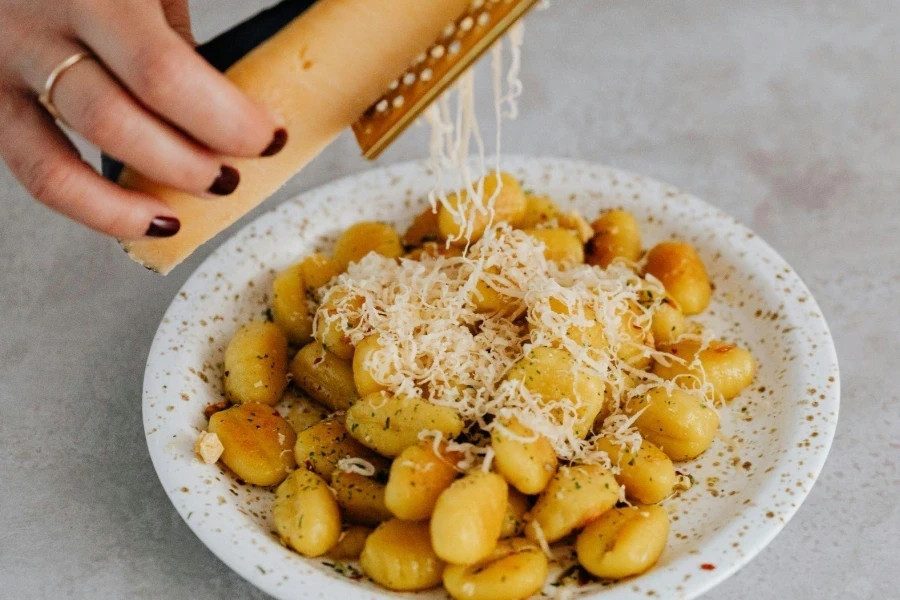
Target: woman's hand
column 143, row 96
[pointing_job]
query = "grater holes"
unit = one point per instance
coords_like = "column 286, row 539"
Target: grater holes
column 454, row 47
column 426, row 74
column 409, row 78
column 484, row 18
column 467, row 24
column 449, row 30
column 437, row 52
column 382, row 105
column 398, row 101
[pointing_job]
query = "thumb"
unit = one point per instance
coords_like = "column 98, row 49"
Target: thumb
column 178, row 16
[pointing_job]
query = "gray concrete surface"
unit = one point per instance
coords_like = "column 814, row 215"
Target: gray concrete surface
column 784, row 113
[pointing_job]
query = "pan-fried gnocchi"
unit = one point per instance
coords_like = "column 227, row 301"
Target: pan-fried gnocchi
column 492, row 383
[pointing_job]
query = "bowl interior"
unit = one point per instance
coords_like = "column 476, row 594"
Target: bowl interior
column 775, row 435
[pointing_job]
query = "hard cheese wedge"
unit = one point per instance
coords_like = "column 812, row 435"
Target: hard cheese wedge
column 320, row 73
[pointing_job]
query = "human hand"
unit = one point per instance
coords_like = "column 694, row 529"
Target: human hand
column 143, row 96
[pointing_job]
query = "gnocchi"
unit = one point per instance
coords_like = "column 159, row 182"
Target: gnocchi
column 322, row 446
column 517, row 568
column 575, row 496
column 528, row 465
column 680, row 423
column 361, row 239
column 489, row 384
column 290, row 306
column 306, row 514
column 398, row 555
column 623, row 542
column 647, row 475
column 468, row 518
column 418, row 477
column 390, row 424
column 361, row 498
column 678, row 266
column 728, row 368
column 509, row 205
column 616, row 235
column 256, row 364
column 324, row 376
column 257, row 443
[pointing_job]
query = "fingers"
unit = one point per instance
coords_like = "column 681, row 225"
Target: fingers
column 47, row 164
column 93, row 104
column 178, row 16
column 170, row 78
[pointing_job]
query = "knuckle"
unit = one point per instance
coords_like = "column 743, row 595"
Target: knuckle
column 159, row 73
column 49, row 180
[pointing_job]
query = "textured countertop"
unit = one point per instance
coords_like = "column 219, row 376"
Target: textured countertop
column 786, row 114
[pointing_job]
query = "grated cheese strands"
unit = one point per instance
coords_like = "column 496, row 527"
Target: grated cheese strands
column 359, row 466
column 436, row 346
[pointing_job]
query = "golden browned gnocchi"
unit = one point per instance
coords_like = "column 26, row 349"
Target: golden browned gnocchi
column 324, row 376
column 450, row 379
column 548, row 372
column 306, row 514
column 623, row 542
column 398, row 555
column 351, row 543
column 647, row 475
column 728, row 368
column 317, row 270
column 363, row 376
column 334, row 335
column 538, row 210
column 509, row 206
column 468, row 518
column 290, row 305
column 256, row 364
column 667, row 324
column 417, row 478
column 258, row 443
column 528, row 465
column 678, row 266
column 361, row 239
column 682, row 424
column 322, row 446
column 560, row 245
column 390, row 424
column 517, row 506
column 575, row 496
column 423, row 229
column 516, row 569
column 616, row 235
column 361, row 498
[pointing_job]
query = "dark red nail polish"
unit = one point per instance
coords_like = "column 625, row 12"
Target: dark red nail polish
column 226, row 182
column 279, row 140
column 163, row 227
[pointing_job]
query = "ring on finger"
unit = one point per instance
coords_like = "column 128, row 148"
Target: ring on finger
column 46, row 96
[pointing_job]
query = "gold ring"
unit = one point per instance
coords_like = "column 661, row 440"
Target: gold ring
column 46, row 97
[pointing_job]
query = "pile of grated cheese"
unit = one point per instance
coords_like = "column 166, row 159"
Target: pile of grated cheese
column 435, row 345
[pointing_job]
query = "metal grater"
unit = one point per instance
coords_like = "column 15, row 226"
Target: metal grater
column 460, row 45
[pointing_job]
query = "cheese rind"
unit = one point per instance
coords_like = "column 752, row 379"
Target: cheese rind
column 319, row 73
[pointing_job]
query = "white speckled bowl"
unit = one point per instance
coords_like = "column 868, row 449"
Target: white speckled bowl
column 742, row 498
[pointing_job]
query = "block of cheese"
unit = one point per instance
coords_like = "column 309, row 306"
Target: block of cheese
column 319, row 73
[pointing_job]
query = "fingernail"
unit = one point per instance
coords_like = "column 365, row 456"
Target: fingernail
column 226, row 182
column 163, row 227
column 279, row 140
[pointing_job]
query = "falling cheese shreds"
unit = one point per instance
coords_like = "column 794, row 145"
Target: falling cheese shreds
column 208, row 447
column 435, row 345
